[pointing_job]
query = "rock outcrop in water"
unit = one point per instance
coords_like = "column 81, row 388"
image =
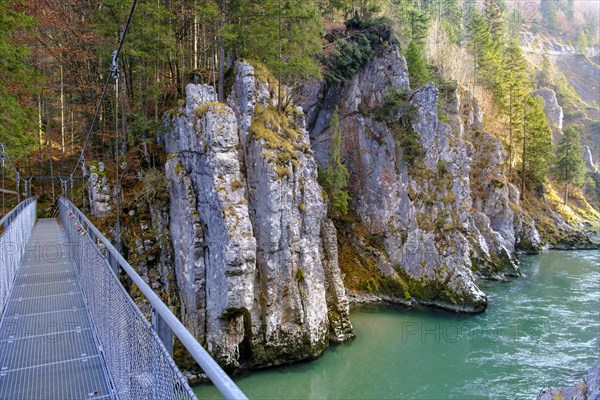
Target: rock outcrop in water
column 255, row 255
column 587, row 388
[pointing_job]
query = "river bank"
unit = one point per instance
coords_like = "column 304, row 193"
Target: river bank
column 540, row 331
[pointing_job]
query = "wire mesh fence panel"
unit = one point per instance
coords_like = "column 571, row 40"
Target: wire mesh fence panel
column 138, row 363
column 16, row 226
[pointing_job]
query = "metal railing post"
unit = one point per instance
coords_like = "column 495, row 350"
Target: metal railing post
column 114, row 264
column 163, row 331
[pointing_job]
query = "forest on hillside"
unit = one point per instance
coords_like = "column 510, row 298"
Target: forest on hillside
column 57, row 59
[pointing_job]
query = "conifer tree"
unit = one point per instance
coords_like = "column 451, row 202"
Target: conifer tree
column 536, row 143
column 517, row 83
column 417, row 64
column 584, row 40
column 334, row 177
column 546, row 73
column 450, row 14
column 419, row 24
column 570, row 9
column 494, row 11
column 569, row 168
column 487, row 56
column 285, row 35
column 515, row 23
column 548, row 8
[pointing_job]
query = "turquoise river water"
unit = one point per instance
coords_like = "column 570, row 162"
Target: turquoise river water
column 542, row 330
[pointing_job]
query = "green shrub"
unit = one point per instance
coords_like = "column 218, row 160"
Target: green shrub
column 334, row 176
column 355, row 47
column 417, row 65
column 397, row 112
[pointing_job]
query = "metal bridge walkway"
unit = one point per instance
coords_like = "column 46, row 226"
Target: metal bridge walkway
column 48, row 345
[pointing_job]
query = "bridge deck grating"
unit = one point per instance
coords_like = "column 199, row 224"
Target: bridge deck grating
column 59, row 302
column 47, row 347
column 44, row 289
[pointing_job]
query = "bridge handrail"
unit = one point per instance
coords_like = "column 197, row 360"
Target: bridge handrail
column 164, row 321
column 15, row 212
column 17, row 226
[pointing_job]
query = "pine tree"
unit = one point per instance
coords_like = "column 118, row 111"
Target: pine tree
column 536, row 143
column 515, row 23
column 569, row 168
column 570, row 9
column 487, row 54
column 494, row 11
column 334, row 177
column 417, row 64
column 548, row 9
column 419, row 24
column 479, row 42
column 546, row 73
column 584, row 40
column 518, row 84
column 285, row 35
column 450, row 14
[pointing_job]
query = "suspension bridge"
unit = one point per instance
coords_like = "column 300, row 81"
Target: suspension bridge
column 70, row 330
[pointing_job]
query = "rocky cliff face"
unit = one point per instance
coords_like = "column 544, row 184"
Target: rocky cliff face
column 215, row 251
column 99, row 192
column 261, row 269
column 494, row 224
column 587, row 388
column 553, row 111
column 255, row 260
column 589, row 159
column 420, row 229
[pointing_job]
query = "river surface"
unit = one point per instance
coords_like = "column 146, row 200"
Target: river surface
column 543, row 330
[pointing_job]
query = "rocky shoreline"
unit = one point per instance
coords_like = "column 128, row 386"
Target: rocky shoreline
column 588, row 388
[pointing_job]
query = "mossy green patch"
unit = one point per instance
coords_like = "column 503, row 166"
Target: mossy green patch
column 263, row 74
column 179, row 169
column 280, row 136
column 236, row 184
column 212, row 106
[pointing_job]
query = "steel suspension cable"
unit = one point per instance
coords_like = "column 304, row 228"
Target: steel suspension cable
column 115, row 56
column 106, row 84
column 117, row 185
column 5, row 157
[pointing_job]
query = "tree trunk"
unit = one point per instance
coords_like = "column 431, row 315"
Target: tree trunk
column 40, row 120
column 523, row 157
column 49, row 145
column 565, row 200
column 62, row 119
column 510, row 135
column 195, row 35
column 117, row 167
column 279, row 55
column 221, row 56
column 40, row 130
